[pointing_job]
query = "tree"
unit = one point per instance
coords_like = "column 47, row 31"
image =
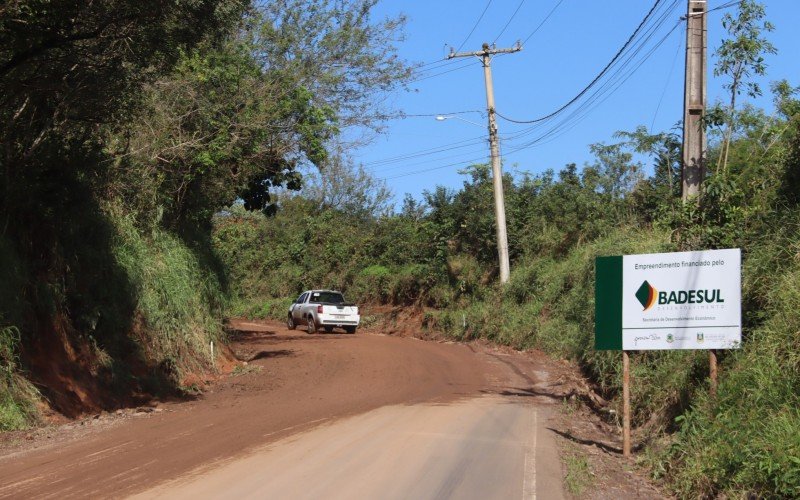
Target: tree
column 238, row 120
column 335, row 50
column 740, row 57
column 71, row 71
column 349, row 188
column 664, row 148
column 618, row 172
column 215, row 130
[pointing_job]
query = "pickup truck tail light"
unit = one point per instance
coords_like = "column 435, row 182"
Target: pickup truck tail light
column 319, row 309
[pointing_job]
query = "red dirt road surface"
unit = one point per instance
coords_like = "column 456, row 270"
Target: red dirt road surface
column 300, row 393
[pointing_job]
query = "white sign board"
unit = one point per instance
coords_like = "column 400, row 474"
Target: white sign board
column 683, row 300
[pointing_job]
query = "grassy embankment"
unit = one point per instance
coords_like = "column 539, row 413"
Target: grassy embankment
column 133, row 323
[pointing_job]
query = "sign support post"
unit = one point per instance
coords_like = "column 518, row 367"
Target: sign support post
column 626, row 405
column 712, row 373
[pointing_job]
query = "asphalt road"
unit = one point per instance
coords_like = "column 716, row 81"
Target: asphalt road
column 481, row 448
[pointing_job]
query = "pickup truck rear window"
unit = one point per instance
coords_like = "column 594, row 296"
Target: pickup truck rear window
column 326, row 297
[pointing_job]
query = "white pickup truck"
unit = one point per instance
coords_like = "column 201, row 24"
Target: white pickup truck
column 323, row 309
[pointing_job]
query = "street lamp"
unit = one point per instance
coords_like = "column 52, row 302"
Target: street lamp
column 441, row 118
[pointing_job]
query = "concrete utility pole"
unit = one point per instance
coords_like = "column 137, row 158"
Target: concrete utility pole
column 694, row 100
column 694, row 132
column 485, row 55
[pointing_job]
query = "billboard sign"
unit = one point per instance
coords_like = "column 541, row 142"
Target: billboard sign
column 682, row 300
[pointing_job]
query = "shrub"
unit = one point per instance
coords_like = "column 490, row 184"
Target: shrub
column 17, row 396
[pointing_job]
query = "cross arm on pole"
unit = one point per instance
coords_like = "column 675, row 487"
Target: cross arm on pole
column 486, row 51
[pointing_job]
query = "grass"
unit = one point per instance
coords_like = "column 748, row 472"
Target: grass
column 177, row 298
column 253, row 308
column 17, row 396
column 579, row 475
column 246, row 369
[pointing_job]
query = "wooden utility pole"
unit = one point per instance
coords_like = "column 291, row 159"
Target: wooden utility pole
column 694, row 100
column 485, row 55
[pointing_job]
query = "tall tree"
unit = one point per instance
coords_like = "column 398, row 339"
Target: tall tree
column 345, row 186
column 740, row 57
column 69, row 68
column 235, row 121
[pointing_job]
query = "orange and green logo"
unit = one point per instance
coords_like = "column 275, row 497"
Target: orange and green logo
column 647, row 295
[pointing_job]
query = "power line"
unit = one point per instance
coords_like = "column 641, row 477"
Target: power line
column 509, row 21
column 542, row 23
column 566, row 123
column 725, row 6
column 475, row 25
column 431, row 161
column 440, row 63
column 597, row 78
column 469, row 64
column 434, row 115
column 626, row 67
column 427, row 152
column 606, row 89
column 666, row 84
column 617, row 78
column 440, row 167
column 601, row 94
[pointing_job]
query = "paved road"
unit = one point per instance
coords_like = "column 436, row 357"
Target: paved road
column 482, row 448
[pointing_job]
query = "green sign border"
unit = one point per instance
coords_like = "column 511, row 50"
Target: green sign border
column 608, row 303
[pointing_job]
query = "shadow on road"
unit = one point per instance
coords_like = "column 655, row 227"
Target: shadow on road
column 271, row 354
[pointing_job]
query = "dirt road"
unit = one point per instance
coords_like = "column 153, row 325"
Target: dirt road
column 406, row 418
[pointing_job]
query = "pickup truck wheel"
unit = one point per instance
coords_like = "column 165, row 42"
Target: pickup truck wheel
column 290, row 323
column 350, row 329
column 312, row 326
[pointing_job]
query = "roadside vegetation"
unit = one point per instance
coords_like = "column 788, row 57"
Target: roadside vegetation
column 134, row 219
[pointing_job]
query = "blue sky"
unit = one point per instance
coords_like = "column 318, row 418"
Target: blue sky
column 558, row 60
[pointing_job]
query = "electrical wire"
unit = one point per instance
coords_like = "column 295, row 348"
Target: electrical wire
column 434, row 115
column 440, row 167
column 598, row 77
column 483, row 150
column 570, row 121
column 724, row 6
column 598, row 97
column 459, row 68
column 509, row 21
column 427, row 152
column 542, row 23
column 666, row 84
column 602, row 92
column 475, row 25
column 440, row 63
column 628, row 65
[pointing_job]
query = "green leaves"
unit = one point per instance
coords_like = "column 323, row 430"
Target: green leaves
column 742, row 54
